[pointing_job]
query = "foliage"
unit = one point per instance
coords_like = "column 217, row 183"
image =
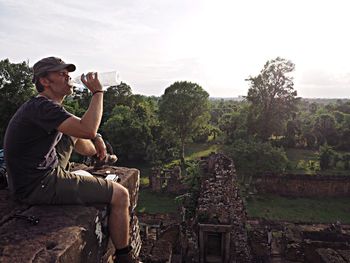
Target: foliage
column 203, row 133
column 128, row 130
column 272, row 97
column 346, row 160
column 16, row 87
column 326, row 156
column 253, row 156
column 192, row 179
column 184, row 107
column 165, row 145
column 325, row 129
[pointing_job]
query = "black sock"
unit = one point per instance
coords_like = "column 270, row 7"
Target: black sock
column 123, row 251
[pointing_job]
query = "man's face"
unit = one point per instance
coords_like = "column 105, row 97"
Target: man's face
column 59, row 82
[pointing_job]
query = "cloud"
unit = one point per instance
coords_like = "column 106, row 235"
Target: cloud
column 326, row 83
column 156, row 42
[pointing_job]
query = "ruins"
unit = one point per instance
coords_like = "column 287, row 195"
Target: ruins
column 212, row 225
column 167, row 180
column 217, row 232
column 215, row 227
column 303, row 185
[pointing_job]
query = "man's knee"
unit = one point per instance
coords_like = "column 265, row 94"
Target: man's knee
column 120, row 197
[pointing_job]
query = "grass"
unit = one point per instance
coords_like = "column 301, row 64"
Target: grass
column 153, row 203
column 295, row 155
column 145, row 171
column 322, row 210
column 301, row 161
column 197, row 150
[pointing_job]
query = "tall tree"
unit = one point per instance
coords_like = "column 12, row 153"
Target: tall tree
column 272, row 97
column 15, row 88
column 325, row 129
column 184, row 106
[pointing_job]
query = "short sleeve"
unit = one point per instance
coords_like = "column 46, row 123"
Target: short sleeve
column 48, row 114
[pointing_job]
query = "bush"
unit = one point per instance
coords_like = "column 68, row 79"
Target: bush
column 256, row 157
column 326, row 156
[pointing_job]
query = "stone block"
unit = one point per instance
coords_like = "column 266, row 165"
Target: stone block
column 65, row 234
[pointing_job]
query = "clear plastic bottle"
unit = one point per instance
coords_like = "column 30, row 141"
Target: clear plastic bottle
column 107, row 79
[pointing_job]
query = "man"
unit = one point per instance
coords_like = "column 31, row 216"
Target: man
column 36, row 156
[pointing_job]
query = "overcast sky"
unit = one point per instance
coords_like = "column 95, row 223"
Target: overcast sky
column 215, row 43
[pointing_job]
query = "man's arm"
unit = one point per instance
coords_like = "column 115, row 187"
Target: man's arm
column 87, row 126
column 84, row 147
column 88, row 148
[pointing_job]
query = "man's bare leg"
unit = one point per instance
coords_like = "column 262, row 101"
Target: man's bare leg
column 119, row 218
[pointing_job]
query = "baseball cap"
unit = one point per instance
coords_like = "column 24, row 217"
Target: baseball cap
column 50, row 64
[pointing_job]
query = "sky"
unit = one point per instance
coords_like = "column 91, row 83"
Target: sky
column 216, row 44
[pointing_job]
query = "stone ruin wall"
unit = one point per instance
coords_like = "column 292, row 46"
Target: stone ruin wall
column 219, row 209
column 292, row 242
column 303, row 185
column 65, row 233
column 167, row 180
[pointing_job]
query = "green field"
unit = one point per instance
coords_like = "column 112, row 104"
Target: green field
column 156, row 202
column 195, row 151
column 324, row 210
column 306, row 162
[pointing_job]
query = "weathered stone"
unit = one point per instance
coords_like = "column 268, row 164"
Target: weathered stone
column 303, row 185
column 163, row 180
column 300, row 242
column 220, row 217
column 327, row 255
column 65, row 233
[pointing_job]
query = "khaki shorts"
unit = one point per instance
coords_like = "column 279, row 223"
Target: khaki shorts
column 64, row 187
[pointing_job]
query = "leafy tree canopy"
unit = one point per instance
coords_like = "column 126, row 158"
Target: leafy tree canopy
column 16, row 87
column 272, row 97
column 184, row 107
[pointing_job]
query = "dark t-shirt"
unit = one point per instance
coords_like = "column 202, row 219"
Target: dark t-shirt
column 30, row 141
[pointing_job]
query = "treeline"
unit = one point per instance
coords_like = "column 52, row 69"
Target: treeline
column 255, row 131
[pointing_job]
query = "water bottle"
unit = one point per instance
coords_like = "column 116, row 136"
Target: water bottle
column 107, row 79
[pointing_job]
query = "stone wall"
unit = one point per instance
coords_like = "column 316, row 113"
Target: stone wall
column 160, row 238
column 303, row 185
column 167, row 180
column 315, row 243
column 65, row 234
column 217, row 232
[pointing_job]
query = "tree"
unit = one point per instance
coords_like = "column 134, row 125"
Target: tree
column 292, row 131
column 325, row 129
column 184, row 107
column 16, row 87
column 272, row 98
column 346, row 160
column 129, row 132
column 325, row 156
column 116, row 95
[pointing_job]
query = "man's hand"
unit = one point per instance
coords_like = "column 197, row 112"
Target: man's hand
column 91, row 81
column 100, row 147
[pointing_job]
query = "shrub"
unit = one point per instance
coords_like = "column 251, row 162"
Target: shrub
column 256, row 157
